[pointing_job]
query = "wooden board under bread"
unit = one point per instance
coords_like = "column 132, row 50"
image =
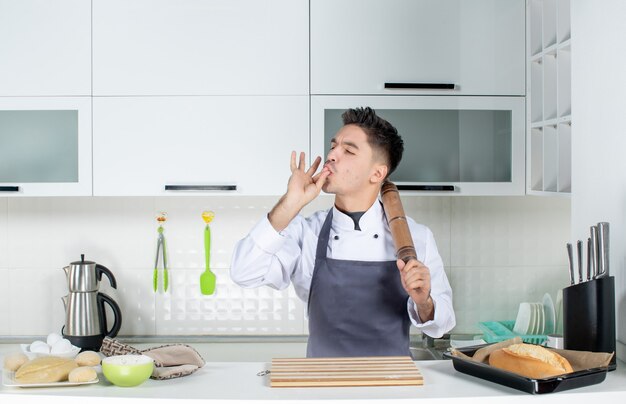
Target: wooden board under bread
column 343, row 372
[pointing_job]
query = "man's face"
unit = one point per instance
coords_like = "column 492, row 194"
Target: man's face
column 351, row 162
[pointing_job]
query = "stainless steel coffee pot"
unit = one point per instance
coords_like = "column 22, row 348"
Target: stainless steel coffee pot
column 85, row 311
column 86, row 317
column 85, row 276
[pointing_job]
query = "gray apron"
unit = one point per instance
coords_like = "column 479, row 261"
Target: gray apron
column 356, row 308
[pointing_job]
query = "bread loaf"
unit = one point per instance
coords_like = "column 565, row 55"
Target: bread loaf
column 82, row 374
column 529, row 360
column 47, row 369
column 14, row 361
column 87, row 358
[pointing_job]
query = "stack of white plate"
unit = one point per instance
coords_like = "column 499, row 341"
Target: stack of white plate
column 550, row 314
column 558, row 328
column 536, row 318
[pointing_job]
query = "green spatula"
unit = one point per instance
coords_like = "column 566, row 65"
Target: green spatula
column 207, row 279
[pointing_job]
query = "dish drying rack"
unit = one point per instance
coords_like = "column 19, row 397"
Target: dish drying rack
column 496, row 331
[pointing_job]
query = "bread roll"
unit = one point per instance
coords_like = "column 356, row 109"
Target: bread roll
column 13, row 362
column 87, row 358
column 528, row 360
column 47, row 369
column 82, row 374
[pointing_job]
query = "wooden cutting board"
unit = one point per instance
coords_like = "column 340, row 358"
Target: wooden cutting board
column 342, row 372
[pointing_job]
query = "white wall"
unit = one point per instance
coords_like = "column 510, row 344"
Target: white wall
column 599, row 132
column 498, row 251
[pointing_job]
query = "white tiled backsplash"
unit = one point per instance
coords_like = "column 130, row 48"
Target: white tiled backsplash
column 498, row 251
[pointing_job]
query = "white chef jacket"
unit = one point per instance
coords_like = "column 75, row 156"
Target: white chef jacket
column 276, row 259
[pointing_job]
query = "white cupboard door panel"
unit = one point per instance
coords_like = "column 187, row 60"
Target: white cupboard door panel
column 474, row 144
column 359, row 45
column 200, row 47
column 45, row 146
column 45, row 47
column 143, row 144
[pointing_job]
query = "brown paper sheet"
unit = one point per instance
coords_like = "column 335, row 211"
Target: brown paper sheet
column 580, row 360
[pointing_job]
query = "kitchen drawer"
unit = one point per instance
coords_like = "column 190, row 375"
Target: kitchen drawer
column 220, row 145
column 476, row 46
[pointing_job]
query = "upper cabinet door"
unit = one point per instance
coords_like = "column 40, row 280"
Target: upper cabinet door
column 45, row 146
column 225, row 145
column 455, row 47
column 200, row 47
column 45, row 47
column 452, row 145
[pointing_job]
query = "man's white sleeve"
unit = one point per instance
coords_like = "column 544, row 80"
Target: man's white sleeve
column 441, row 293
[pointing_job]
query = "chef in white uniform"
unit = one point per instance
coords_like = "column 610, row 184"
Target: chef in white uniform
column 361, row 299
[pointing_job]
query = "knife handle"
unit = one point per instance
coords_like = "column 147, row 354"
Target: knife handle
column 579, row 247
column 589, row 258
column 603, row 249
column 593, row 230
column 570, row 256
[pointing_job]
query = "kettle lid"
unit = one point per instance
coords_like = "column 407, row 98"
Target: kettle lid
column 82, row 261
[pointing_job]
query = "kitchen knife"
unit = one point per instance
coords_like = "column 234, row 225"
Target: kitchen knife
column 579, row 247
column 603, row 249
column 589, row 258
column 594, row 251
column 570, row 256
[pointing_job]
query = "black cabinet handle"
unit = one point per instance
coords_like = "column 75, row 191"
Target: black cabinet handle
column 422, row 86
column 9, row 188
column 444, row 188
column 201, row 187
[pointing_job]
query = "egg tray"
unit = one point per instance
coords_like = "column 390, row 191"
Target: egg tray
column 496, row 331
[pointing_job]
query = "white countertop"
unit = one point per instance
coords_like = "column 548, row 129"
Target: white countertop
column 234, row 382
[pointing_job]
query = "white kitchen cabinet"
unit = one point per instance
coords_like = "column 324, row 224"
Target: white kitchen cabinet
column 549, row 101
column 45, row 47
column 452, row 145
column 476, row 47
column 217, row 145
column 45, row 146
column 200, row 47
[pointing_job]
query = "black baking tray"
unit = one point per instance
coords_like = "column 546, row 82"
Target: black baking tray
column 554, row 384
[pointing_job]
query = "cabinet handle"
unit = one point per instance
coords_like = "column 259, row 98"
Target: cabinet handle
column 444, row 188
column 10, row 188
column 201, row 187
column 423, row 86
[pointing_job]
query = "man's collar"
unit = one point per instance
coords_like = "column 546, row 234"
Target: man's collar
column 370, row 219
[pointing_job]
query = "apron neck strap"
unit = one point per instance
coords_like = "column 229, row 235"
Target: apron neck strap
column 322, row 241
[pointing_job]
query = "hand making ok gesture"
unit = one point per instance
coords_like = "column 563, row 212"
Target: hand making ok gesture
column 302, row 188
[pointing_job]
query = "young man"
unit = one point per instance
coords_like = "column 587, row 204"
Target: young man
column 361, row 299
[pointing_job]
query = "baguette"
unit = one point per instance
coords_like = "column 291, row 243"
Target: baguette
column 48, row 369
column 529, row 360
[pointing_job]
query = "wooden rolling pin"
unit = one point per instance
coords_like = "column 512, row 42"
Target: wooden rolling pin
column 405, row 250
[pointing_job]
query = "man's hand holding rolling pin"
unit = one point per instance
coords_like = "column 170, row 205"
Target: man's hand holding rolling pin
column 415, row 278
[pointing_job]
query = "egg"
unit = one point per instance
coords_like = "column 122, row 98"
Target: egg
column 61, row 346
column 53, row 338
column 39, row 347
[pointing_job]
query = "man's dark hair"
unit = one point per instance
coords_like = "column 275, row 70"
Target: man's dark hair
column 381, row 135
